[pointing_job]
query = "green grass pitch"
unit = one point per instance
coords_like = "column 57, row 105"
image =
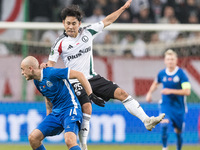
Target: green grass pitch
column 100, row 147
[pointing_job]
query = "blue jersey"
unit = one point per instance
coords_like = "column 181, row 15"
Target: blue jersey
column 54, row 85
column 173, row 103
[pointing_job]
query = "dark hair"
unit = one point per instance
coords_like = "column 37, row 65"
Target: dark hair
column 73, row 11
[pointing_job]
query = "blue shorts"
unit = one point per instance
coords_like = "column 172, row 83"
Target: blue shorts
column 175, row 117
column 54, row 124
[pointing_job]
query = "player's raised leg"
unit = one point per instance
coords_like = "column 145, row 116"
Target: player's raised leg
column 135, row 109
column 35, row 140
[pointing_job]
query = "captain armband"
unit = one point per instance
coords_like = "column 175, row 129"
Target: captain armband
column 186, row 85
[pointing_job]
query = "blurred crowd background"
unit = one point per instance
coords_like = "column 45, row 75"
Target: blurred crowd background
column 129, row 44
column 141, row 11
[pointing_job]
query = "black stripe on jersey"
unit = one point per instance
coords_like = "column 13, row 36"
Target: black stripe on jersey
column 58, row 39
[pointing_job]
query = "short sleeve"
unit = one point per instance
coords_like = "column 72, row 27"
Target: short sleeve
column 55, row 51
column 158, row 79
column 95, row 28
column 60, row 73
column 184, row 77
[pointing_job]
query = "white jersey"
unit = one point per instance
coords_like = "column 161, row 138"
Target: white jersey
column 76, row 53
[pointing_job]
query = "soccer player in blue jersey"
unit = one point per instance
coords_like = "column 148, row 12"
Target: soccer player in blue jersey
column 63, row 107
column 175, row 87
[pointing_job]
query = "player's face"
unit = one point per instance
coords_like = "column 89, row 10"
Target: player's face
column 26, row 72
column 170, row 61
column 71, row 25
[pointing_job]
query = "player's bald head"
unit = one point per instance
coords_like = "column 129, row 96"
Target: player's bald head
column 30, row 61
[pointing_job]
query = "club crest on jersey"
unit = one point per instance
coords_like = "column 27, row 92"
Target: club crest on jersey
column 49, row 84
column 176, row 79
column 164, row 79
column 85, row 38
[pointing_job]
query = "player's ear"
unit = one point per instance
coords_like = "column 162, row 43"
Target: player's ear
column 80, row 23
column 30, row 68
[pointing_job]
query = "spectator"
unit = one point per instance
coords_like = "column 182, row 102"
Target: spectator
column 145, row 15
column 104, row 5
column 86, row 5
column 155, row 47
column 97, row 15
column 179, row 9
column 156, row 7
column 108, row 48
column 125, row 43
column 49, row 36
column 125, row 17
column 169, row 36
column 168, row 12
column 136, row 4
column 191, row 9
column 139, row 48
column 193, row 18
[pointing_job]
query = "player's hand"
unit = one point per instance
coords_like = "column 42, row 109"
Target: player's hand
column 43, row 65
column 127, row 4
column 97, row 100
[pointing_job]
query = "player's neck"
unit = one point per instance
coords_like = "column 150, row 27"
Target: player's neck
column 37, row 74
column 171, row 69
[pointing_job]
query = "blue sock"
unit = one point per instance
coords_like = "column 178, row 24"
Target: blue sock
column 179, row 141
column 41, row 148
column 75, row 148
column 164, row 134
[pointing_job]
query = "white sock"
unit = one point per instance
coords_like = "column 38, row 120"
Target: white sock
column 134, row 108
column 85, row 127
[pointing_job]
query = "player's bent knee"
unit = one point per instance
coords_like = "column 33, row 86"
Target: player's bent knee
column 33, row 140
column 87, row 108
column 120, row 94
column 70, row 139
column 35, row 136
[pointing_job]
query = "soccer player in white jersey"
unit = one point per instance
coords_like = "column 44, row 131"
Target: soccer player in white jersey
column 75, row 48
column 63, row 107
column 175, row 87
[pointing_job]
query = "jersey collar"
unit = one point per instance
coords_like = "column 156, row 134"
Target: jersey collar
column 173, row 72
column 65, row 33
column 41, row 78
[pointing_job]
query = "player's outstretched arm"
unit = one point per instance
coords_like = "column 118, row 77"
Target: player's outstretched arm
column 80, row 76
column 113, row 16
